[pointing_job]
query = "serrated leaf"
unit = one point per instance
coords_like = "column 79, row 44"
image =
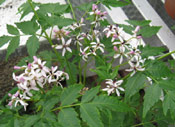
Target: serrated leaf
column 115, row 3
column 12, row 30
column 85, row 6
column 158, row 69
column 138, row 23
column 169, row 102
column 112, row 119
column 4, row 39
column 168, row 84
column 134, row 84
column 49, row 104
column 63, row 21
column 25, row 9
column 90, row 114
column 149, row 31
column 151, row 51
column 13, row 44
column 90, row 94
column 53, row 8
column 31, row 120
column 152, row 95
column 127, row 28
column 70, row 94
column 48, row 56
column 28, row 27
column 111, row 103
column 68, row 118
column 32, row 45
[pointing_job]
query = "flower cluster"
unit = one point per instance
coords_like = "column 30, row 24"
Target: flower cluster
column 35, row 76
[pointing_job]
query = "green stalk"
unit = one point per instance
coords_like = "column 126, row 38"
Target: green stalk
column 67, row 106
column 73, row 13
column 46, row 35
column 165, row 55
column 69, row 69
column 85, row 70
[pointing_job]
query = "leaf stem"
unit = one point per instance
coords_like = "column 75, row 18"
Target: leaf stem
column 67, row 106
column 46, row 35
column 73, row 13
column 167, row 54
column 71, row 76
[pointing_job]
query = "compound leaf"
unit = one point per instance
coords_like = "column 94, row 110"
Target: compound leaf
column 152, row 96
column 70, row 94
column 68, row 118
column 32, row 45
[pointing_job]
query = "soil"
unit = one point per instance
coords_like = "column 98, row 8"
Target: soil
column 6, row 70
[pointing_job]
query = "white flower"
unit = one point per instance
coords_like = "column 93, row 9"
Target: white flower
column 134, row 67
column 113, row 86
column 84, row 53
column 119, row 53
column 64, row 46
column 97, row 45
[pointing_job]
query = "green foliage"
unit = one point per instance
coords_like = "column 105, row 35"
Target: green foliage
column 28, row 27
column 158, row 69
column 138, row 23
column 134, row 84
column 90, row 114
column 4, row 39
column 32, row 45
column 12, row 30
column 151, row 51
column 115, row 3
column 13, row 44
column 149, row 31
column 70, row 94
column 90, row 94
column 152, row 96
column 74, row 105
column 169, row 102
column 68, row 118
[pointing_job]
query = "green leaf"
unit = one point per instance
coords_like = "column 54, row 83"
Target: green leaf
column 12, row 30
column 31, row 120
column 50, row 103
column 134, row 84
column 70, row 94
column 63, row 21
column 48, row 56
column 68, row 118
column 169, row 102
column 149, row 31
column 115, row 3
column 127, row 28
column 168, row 84
column 90, row 114
column 138, row 23
column 32, row 45
column 28, row 27
column 111, row 119
column 152, row 96
column 4, row 39
column 53, row 8
column 13, row 44
column 158, row 69
column 25, row 9
column 85, row 6
column 151, row 51
column 2, row 1
column 111, row 103
column 90, row 94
